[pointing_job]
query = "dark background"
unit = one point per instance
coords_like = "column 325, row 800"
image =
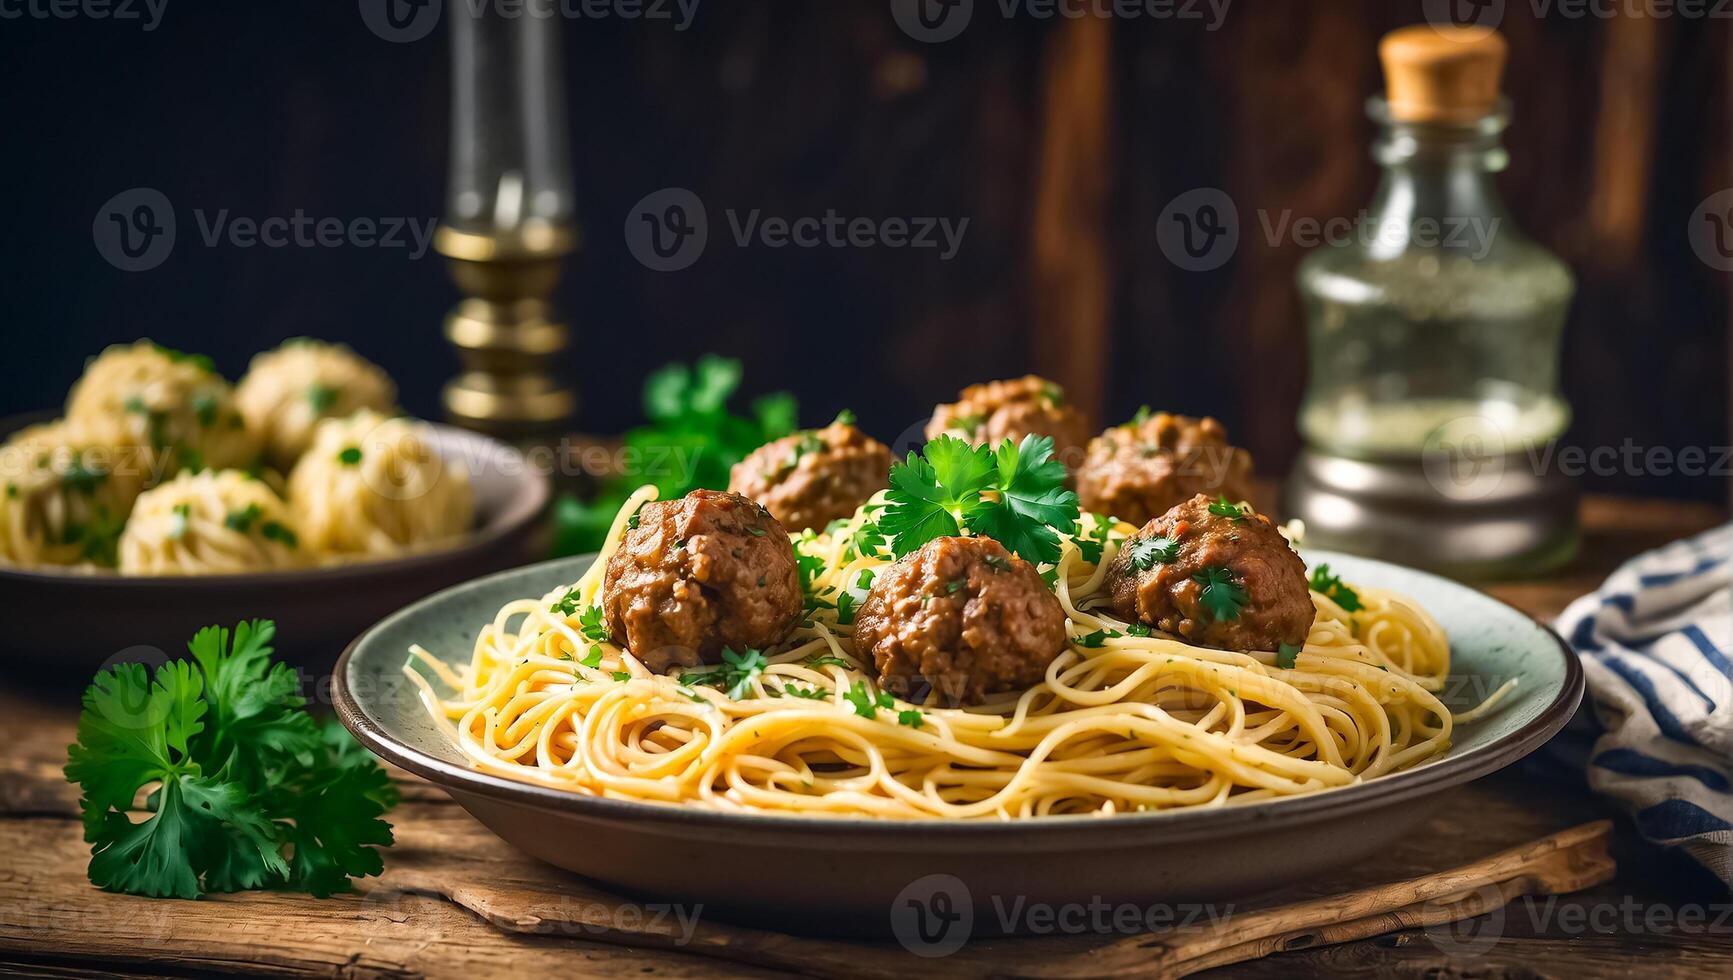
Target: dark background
column 1060, row 139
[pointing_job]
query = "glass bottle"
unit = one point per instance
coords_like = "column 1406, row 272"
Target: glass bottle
column 1434, row 337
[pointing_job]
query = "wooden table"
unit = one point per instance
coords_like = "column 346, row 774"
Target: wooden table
column 1660, row 914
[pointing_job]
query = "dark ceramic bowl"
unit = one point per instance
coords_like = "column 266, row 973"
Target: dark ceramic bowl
column 64, row 624
column 862, row 876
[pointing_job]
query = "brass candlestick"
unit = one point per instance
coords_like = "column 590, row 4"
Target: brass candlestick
column 506, row 331
column 508, row 223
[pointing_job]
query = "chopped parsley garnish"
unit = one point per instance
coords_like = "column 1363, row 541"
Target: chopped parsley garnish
column 274, row 531
column 734, row 675
column 1287, row 655
column 566, row 605
column 622, row 675
column 1141, row 416
column 593, row 659
column 809, row 693
column 956, row 585
column 1015, row 495
column 81, row 478
column 11, row 491
column 1223, row 507
column 243, row 520
column 969, row 423
column 1097, row 639
column 1334, row 589
column 249, row 791
column 806, row 444
column 1222, row 597
column 591, row 626
column 1146, row 553
column 1052, row 394
column 844, row 417
column 320, row 397
column 757, row 532
column 845, row 609
column 998, row 563
column 1137, row 629
column 826, row 660
column 349, row 456
column 866, row 579
column 632, row 522
column 864, row 703
column 911, row 718
column 205, row 407
column 1091, row 543
column 868, row 541
column 200, row 361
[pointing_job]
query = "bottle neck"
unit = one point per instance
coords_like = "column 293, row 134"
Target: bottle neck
column 1438, row 180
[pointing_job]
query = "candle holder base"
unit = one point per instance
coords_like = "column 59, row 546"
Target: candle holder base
column 1489, row 517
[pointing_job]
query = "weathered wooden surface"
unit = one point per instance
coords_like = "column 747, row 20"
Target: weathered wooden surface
column 457, row 901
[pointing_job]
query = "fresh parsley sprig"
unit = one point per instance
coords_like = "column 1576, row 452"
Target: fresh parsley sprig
column 1014, row 494
column 249, row 791
column 1333, row 588
column 734, row 675
column 1222, row 597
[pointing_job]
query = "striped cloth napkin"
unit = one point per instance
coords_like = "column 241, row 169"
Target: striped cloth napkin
column 1657, row 646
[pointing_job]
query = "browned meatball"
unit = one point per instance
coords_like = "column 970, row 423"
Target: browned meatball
column 1258, row 597
column 812, row 478
column 707, row 571
column 988, row 414
column 958, row 619
column 1137, row 471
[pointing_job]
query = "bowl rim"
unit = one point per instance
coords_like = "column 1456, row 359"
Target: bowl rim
column 1177, row 824
column 522, row 510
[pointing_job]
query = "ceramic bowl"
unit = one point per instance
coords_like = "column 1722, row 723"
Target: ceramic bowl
column 65, row 624
column 863, row 876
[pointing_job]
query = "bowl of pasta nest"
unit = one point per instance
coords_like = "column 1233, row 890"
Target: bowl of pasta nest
column 828, row 711
column 163, row 497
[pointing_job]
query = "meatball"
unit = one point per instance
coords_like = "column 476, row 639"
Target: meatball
column 958, row 619
column 812, row 478
column 707, row 571
column 1217, row 580
column 988, row 414
column 1139, row 470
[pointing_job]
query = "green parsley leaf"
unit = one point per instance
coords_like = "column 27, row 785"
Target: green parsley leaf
column 349, row 456
column 273, row 531
column 845, row 609
column 734, row 674
column 1334, row 589
column 826, row 660
column 1144, row 553
column 911, row 718
column 243, row 520
column 1287, row 655
column 970, row 424
column 1223, row 507
column 250, row 792
column 566, row 605
column 862, row 700
column 181, row 516
column 592, row 627
column 622, row 675
column 809, row 693
column 1015, row 495
column 204, row 406
column 1137, row 629
column 81, row 478
column 1222, row 597
column 321, row 397
column 1097, row 639
column 593, row 659
column 1093, row 542
column 844, row 417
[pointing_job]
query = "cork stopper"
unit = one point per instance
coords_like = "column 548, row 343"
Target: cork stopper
column 1446, row 75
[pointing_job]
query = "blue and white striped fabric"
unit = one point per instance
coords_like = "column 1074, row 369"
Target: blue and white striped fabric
column 1657, row 646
